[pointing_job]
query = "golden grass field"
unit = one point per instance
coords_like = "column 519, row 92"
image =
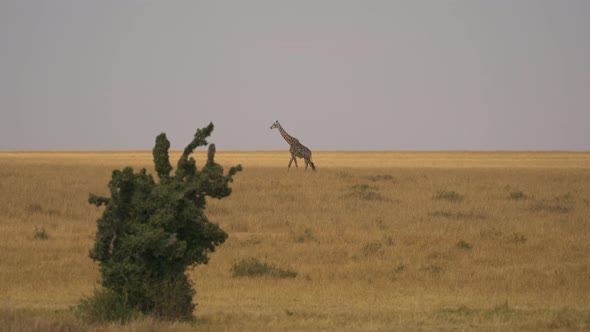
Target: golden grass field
column 381, row 241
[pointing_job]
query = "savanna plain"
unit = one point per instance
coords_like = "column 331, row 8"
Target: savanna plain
column 371, row 241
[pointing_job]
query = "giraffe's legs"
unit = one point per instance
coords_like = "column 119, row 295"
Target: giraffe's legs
column 310, row 163
column 290, row 161
column 306, row 163
column 295, row 159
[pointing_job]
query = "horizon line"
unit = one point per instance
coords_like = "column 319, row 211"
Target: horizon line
column 286, row 151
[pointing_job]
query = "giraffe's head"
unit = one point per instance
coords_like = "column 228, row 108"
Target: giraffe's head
column 275, row 125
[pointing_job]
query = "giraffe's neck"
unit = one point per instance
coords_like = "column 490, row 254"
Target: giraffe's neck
column 290, row 139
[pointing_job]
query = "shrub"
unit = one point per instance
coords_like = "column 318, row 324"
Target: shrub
column 517, row 195
column 518, row 238
column 40, row 234
column 451, row 196
column 253, row 267
column 457, row 215
column 366, row 192
column 380, row 177
column 371, row 248
column 151, row 233
column 464, row 245
column 550, row 207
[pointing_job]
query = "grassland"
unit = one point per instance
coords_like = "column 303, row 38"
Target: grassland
column 378, row 241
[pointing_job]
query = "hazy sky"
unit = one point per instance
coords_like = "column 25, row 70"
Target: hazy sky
column 338, row 75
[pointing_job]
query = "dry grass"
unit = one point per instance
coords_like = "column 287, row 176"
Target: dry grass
column 373, row 244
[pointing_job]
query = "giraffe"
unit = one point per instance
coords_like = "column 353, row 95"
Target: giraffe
column 297, row 149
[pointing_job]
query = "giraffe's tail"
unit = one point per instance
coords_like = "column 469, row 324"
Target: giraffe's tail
column 312, row 165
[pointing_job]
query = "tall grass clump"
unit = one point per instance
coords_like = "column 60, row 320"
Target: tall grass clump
column 464, row 245
column 451, row 196
column 253, row 267
column 517, row 196
column 40, row 234
column 306, row 236
column 365, row 192
column 105, row 306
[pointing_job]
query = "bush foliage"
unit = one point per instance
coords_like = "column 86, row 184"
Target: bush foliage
column 151, row 232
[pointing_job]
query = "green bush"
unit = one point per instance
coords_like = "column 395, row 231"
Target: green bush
column 151, row 232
